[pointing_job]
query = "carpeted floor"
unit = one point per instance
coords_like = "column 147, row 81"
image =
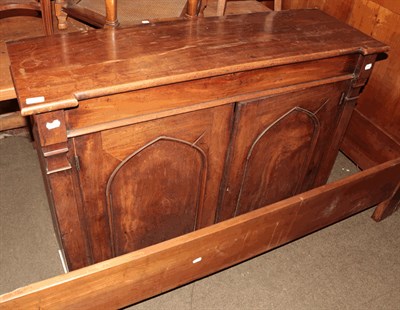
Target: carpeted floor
column 133, row 12
column 354, row 264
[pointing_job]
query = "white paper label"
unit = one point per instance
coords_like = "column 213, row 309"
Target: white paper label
column 54, row 124
column 367, row 67
column 34, row 100
column 197, row 260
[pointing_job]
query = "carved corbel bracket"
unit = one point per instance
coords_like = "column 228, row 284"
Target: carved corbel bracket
column 361, row 75
column 51, row 133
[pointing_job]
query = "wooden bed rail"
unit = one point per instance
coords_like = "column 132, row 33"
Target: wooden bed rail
column 145, row 273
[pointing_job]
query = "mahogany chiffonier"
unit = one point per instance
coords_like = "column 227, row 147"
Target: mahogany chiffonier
column 191, row 146
column 155, row 131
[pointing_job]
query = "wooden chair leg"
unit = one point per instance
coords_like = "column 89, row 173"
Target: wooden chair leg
column 192, row 6
column 388, row 207
column 111, row 13
column 45, row 7
column 277, row 5
column 60, row 14
column 221, row 7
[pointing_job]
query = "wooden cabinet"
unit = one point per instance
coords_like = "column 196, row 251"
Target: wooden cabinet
column 280, row 147
column 198, row 121
column 150, row 182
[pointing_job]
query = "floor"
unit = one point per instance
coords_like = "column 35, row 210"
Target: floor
column 353, row 264
column 133, row 12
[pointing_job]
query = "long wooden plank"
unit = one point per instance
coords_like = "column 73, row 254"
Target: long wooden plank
column 12, row 120
column 366, row 144
column 136, row 276
column 7, row 90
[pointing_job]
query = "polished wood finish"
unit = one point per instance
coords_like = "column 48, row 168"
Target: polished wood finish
column 17, row 28
column 139, row 275
column 154, row 102
column 241, row 112
column 128, row 67
column 12, row 120
column 378, row 110
column 7, row 90
column 257, row 175
column 178, row 160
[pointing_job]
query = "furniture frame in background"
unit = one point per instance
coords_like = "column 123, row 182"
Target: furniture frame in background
column 222, row 6
column 63, row 8
column 42, row 6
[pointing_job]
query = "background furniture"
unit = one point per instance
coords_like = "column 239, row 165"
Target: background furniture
column 10, row 117
column 42, row 6
column 208, row 8
column 112, row 13
column 222, row 6
column 101, row 13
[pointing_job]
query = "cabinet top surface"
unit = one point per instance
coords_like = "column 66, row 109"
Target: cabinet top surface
column 56, row 72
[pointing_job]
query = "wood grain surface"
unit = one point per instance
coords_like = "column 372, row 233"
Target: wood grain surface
column 139, row 275
column 170, row 52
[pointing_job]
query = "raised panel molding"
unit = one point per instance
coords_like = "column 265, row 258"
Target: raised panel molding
column 285, row 160
column 175, row 171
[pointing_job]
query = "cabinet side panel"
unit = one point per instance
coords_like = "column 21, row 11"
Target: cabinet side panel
column 94, row 168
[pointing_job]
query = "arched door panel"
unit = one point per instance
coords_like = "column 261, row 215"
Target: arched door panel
column 155, row 194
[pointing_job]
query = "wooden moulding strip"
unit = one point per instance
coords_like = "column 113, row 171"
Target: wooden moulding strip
column 12, row 120
column 76, row 132
column 7, row 90
column 367, row 144
column 141, row 274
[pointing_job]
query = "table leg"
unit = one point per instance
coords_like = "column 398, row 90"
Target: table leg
column 60, row 14
column 111, row 13
column 221, row 7
column 45, row 8
column 388, row 207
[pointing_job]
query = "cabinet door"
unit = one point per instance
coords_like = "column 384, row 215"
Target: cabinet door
column 149, row 182
column 279, row 144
